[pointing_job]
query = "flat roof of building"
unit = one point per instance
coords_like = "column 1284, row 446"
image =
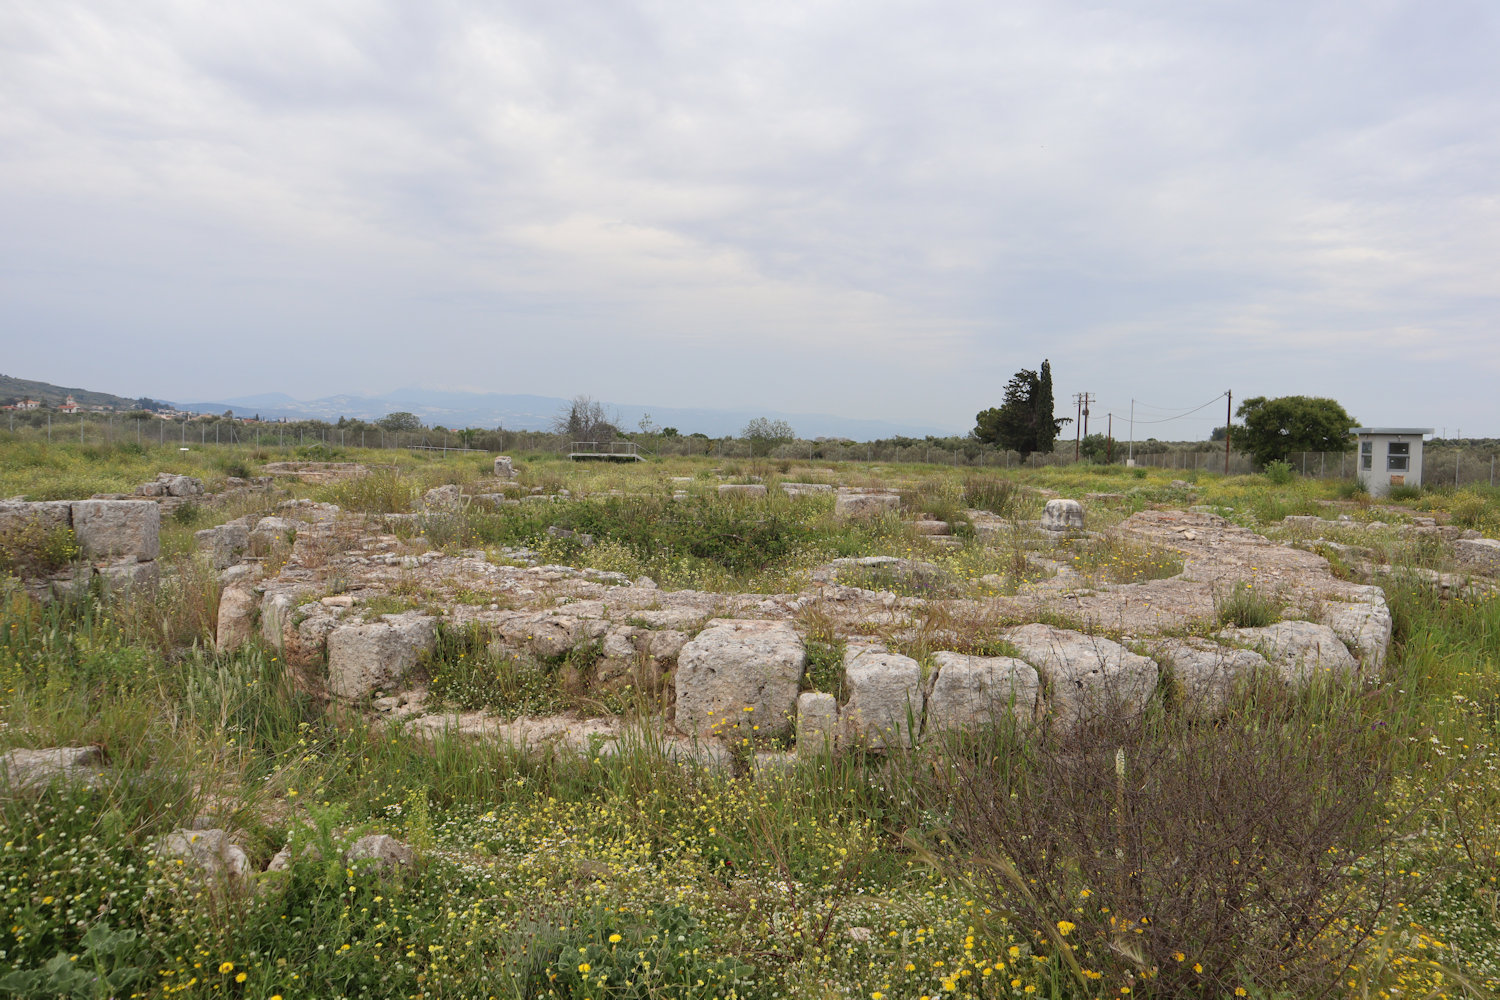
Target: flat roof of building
column 1393, row 430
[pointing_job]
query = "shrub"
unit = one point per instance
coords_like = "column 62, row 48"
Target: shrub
column 1279, row 472
column 1404, row 492
column 33, row 549
column 994, row 494
column 1200, row 859
column 825, row 667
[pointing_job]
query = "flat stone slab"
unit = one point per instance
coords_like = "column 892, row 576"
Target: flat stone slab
column 1298, row 650
column 865, row 506
column 1480, row 554
column 26, row 770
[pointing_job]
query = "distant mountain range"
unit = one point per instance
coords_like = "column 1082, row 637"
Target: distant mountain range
column 512, row 411
column 520, row 412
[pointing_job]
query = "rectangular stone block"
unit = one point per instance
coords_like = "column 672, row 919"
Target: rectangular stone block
column 1483, row 554
column 17, row 514
column 114, row 529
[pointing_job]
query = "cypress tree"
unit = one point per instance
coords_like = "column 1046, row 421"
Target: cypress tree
column 1046, row 426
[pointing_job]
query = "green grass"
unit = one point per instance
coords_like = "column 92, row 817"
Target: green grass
column 848, row 875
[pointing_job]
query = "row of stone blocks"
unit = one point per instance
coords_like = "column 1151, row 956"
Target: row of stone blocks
column 105, row 529
column 742, row 679
column 119, row 539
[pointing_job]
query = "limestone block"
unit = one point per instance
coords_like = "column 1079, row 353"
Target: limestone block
column 884, row 706
column 236, row 618
column 503, row 468
column 1062, row 515
column 370, row 656
column 212, row 852
column 449, row 497
column 1206, row 672
column 545, row 635
column 932, row 527
column 305, row 635
column 972, row 691
column 865, row 506
column 116, row 528
column 384, row 850
column 1480, row 554
column 817, row 722
column 224, row 543
column 742, row 490
column 46, row 514
column 275, row 615
column 739, row 675
column 805, row 489
column 1298, row 650
column 269, row 531
column 1086, row 675
column 183, row 486
column 32, row 770
column 1365, row 627
column 128, row 574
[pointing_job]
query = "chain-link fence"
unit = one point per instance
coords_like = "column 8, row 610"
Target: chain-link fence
column 1444, row 464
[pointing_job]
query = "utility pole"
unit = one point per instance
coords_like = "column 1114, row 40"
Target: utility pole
column 1109, row 442
column 1081, row 425
column 1228, row 410
column 1130, row 452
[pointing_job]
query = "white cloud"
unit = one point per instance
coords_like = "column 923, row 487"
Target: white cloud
column 881, row 209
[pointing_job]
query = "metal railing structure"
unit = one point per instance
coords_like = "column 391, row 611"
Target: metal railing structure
column 605, row 451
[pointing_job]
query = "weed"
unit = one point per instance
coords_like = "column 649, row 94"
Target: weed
column 1247, row 606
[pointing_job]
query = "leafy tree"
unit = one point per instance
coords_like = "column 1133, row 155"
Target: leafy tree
column 1023, row 422
column 1275, row 428
column 764, row 435
column 400, row 421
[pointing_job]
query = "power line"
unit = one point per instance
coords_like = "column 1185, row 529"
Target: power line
column 1167, row 420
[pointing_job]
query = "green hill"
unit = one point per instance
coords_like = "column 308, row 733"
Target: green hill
column 13, row 390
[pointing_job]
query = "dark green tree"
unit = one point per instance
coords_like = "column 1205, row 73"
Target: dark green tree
column 400, row 421
column 1046, row 426
column 1276, row 428
column 1023, row 422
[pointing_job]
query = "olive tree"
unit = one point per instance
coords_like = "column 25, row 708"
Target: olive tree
column 765, row 434
column 1276, row 428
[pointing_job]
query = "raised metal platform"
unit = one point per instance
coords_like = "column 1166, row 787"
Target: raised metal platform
column 605, row 451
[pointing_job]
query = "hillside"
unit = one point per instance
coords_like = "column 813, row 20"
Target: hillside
column 14, row 389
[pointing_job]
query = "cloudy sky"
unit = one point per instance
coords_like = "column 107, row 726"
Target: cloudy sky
column 874, row 209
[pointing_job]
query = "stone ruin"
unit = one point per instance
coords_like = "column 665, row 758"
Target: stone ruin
column 732, row 667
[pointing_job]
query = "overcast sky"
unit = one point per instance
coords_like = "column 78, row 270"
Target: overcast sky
column 865, row 208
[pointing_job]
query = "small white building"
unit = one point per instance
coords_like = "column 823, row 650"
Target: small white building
column 1389, row 456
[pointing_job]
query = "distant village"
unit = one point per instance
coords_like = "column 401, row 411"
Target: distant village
column 152, row 407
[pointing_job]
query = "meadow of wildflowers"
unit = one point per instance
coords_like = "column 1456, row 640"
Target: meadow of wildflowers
column 549, row 873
